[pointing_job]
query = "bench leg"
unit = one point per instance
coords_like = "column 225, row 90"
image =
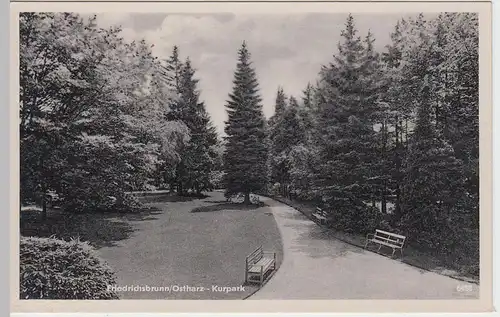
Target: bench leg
column 379, row 247
column 261, row 276
column 366, row 243
column 401, row 250
column 393, row 251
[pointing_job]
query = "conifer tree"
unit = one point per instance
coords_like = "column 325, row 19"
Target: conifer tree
column 170, row 76
column 279, row 108
column 375, row 114
column 396, row 112
column 245, row 157
column 433, row 184
column 280, row 102
column 346, row 134
column 288, row 132
column 198, row 156
column 306, row 114
column 276, row 160
column 171, row 70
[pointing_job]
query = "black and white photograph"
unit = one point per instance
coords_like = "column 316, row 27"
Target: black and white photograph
column 249, row 156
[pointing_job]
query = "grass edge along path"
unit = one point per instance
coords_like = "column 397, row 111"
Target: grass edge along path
column 412, row 257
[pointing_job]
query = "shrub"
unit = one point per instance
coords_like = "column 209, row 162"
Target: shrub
column 128, row 203
column 216, row 179
column 56, row 269
column 275, row 189
column 85, row 201
column 354, row 217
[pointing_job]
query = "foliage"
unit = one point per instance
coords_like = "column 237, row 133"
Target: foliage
column 198, row 157
column 92, row 111
column 434, row 187
column 286, row 131
column 56, row 269
column 346, row 118
column 245, row 156
column 398, row 125
column 353, row 216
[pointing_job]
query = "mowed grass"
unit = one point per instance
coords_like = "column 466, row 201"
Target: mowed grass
column 180, row 249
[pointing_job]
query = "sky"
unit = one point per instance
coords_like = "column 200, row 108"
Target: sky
column 286, row 49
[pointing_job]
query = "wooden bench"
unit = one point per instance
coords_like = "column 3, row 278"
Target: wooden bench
column 320, row 216
column 238, row 196
column 388, row 239
column 258, row 263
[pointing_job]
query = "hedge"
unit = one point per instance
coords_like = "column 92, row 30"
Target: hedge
column 57, row 269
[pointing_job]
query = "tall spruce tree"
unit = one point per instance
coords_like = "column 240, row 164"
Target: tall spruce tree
column 279, row 108
column 306, row 113
column 396, row 113
column 170, row 76
column 376, row 116
column 346, row 134
column 302, row 158
column 277, row 164
column 288, row 132
column 198, row 156
column 280, row 105
column 434, row 182
column 245, row 157
column 171, row 70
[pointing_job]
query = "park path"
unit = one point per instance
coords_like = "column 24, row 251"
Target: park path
column 316, row 266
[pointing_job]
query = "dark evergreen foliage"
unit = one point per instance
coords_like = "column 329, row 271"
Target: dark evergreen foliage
column 245, row 157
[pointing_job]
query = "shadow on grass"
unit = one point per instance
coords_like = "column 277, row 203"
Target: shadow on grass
column 99, row 229
column 146, row 214
column 170, row 198
column 222, row 201
column 228, row 206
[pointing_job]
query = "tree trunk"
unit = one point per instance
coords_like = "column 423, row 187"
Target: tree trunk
column 397, row 207
column 44, row 202
column 384, row 200
column 43, row 188
column 385, row 169
column 399, row 140
column 247, row 198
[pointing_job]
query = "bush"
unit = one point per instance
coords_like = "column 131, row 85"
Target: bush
column 87, row 201
column 354, row 217
column 275, row 189
column 56, row 269
column 128, row 203
column 217, row 179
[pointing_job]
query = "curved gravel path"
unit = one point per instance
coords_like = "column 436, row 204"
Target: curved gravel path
column 316, row 266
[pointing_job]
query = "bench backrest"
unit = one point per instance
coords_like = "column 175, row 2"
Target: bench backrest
column 320, row 212
column 255, row 256
column 390, row 237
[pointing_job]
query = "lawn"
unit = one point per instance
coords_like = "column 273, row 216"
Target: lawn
column 184, row 243
column 196, row 243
